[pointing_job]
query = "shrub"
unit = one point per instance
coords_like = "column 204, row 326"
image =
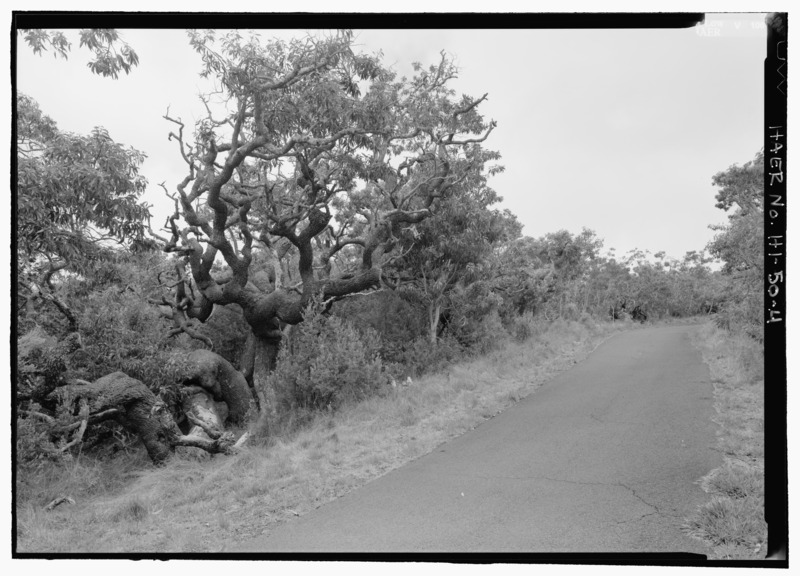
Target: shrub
column 571, row 311
column 32, row 442
column 123, row 332
column 400, row 317
column 521, row 328
column 420, row 357
column 744, row 316
column 326, row 363
column 479, row 334
column 475, row 322
column 33, row 342
column 588, row 320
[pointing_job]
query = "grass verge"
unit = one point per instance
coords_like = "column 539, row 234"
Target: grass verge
column 733, row 521
column 208, row 504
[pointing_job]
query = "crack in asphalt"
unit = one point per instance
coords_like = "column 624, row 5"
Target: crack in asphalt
column 656, row 510
column 642, row 500
column 638, row 519
column 619, row 484
column 577, row 482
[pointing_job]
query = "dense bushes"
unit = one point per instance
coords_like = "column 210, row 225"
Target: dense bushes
column 475, row 317
column 327, row 362
column 419, row 357
column 120, row 332
column 742, row 312
column 398, row 316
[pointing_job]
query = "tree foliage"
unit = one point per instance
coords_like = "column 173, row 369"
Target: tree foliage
column 311, row 162
column 111, row 55
column 329, row 362
column 740, row 243
column 74, row 191
column 452, row 249
column 77, row 197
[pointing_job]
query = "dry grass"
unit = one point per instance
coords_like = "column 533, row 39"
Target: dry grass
column 204, row 505
column 733, row 521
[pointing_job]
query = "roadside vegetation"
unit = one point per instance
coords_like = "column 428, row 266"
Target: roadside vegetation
column 318, row 310
column 732, row 522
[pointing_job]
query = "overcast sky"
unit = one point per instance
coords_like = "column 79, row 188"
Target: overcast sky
column 619, row 131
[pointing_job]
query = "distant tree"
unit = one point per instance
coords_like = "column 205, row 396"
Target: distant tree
column 570, row 258
column 696, row 288
column 111, row 54
column 651, row 289
column 611, row 285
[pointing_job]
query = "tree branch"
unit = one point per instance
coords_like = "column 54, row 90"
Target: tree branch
column 84, row 415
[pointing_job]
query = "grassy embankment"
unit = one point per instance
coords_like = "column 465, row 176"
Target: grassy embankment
column 191, row 505
column 733, row 521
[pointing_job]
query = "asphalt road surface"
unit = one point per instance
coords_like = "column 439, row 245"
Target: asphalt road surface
column 602, row 458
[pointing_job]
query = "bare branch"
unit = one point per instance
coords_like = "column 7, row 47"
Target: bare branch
column 492, row 126
column 179, row 138
column 469, row 107
column 84, row 415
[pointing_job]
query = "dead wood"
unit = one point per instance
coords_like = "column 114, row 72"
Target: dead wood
column 58, row 501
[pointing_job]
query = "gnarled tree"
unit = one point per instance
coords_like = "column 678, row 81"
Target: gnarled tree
column 310, row 163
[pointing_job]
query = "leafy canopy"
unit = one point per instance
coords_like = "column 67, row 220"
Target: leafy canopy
column 320, row 155
column 75, row 193
column 739, row 244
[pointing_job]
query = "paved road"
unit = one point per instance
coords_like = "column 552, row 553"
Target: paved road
column 602, row 458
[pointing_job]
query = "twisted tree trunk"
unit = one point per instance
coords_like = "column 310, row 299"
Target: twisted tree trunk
column 263, row 358
column 220, row 380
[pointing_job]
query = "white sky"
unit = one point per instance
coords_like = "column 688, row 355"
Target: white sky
column 619, row 131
